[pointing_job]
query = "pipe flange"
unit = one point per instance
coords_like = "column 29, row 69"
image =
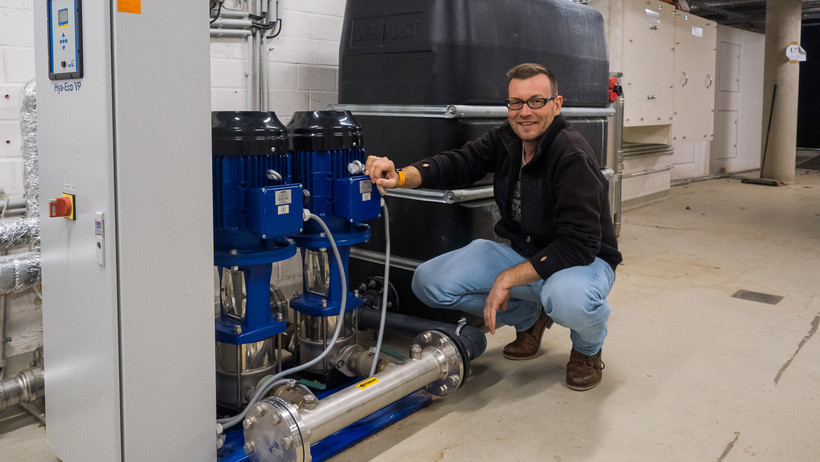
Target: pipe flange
column 275, row 432
column 449, row 359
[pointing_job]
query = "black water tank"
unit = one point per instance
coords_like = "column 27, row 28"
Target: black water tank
column 458, row 51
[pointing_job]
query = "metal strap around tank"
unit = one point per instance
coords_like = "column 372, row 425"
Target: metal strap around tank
column 453, row 196
column 409, row 264
column 450, row 196
column 458, row 111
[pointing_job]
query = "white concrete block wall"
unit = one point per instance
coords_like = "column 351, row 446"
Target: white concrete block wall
column 302, row 62
column 302, row 69
column 16, row 68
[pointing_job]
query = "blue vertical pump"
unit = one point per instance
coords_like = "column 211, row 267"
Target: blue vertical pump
column 255, row 206
column 328, row 155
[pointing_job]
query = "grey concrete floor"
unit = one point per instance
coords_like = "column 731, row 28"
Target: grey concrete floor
column 692, row 373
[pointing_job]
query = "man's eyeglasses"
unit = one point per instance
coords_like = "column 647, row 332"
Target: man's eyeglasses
column 533, row 103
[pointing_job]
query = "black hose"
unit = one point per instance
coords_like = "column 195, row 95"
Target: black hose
column 218, row 12
column 470, row 340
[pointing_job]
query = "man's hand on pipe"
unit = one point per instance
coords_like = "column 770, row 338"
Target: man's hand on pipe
column 382, row 172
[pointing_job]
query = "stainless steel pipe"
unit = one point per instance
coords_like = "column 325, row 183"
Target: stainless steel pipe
column 25, row 387
column 232, row 14
column 452, row 196
column 277, row 430
column 230, row 33
column 346, row 407
column 458, row 111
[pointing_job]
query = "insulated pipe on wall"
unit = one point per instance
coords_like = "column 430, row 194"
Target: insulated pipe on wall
column 31, row 167
column 19, row 272
column 25, row 387
column 15, row 232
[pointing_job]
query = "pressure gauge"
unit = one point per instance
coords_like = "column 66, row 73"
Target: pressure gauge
column 65, row 37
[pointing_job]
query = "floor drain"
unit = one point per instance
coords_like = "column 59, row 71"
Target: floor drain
column 758, row 297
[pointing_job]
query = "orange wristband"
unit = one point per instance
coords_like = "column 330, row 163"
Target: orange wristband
column 402, row 178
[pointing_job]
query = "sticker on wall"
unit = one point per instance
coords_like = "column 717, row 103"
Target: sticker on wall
column 697, row 31
column 129, row 6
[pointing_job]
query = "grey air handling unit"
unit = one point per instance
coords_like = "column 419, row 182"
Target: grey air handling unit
column 426, row 76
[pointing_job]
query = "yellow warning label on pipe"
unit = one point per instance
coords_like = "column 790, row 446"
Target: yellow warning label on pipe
column 367, row 383
column 129, row 6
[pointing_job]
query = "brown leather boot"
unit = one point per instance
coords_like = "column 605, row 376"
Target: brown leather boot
column 584, row 372
column 528, row 342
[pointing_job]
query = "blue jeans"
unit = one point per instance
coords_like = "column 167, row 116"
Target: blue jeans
column 574, row 297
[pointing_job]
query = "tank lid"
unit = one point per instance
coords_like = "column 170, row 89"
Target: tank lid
column 324, row 130
column 247, row 133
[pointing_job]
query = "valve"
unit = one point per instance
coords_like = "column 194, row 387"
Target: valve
column 615, row 89
column 356, row 167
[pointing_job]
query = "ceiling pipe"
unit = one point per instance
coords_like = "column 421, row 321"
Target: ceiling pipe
column 695, row 7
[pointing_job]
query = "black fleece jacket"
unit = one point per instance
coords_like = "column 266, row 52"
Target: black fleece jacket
column 565, row 217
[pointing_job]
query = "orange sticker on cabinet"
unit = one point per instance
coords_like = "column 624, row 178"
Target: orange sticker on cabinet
column 129, row 6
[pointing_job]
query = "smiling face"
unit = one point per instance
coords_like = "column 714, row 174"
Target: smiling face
column 529, row 124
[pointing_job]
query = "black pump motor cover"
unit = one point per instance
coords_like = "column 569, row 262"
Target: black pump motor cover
column 324, row 131
column 247, row 133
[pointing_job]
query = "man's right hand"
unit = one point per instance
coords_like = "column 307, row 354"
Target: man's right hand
column 382, row 172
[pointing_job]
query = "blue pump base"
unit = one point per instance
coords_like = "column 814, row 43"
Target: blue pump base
column 232, row 450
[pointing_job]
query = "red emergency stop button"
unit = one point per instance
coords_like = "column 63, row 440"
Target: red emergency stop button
column 62, row 207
